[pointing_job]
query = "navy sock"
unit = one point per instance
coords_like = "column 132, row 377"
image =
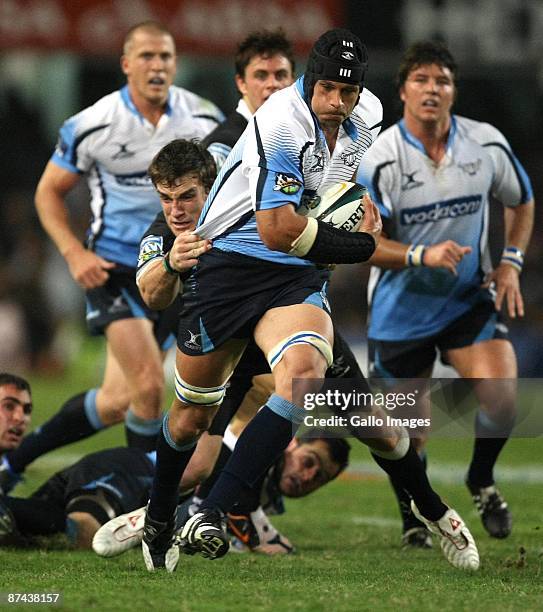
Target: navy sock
column 34, row 516
column 77, row 419
column 409, row 521
column 258, row 447
column 141, row 433
column 171, row 461
column 490, row 438
column 409, row 472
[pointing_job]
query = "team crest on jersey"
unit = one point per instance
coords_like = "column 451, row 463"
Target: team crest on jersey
column 150, row 247
column 287, row 183
column 471, row 168
column 409, row 181
column 349, row 159
column 123, row 152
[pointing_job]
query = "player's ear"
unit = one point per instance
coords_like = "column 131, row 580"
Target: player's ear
column 124, row 64
column 240, row 84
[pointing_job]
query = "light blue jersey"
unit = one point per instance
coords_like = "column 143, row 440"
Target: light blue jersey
column 426, row 203
column 113, row 144
column 281, row 158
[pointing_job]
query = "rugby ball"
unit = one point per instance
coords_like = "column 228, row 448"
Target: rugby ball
column 340, row 205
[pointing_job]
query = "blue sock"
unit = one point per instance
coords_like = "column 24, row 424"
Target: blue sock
column 171, row 461
column 141, row 433
column 258, row 447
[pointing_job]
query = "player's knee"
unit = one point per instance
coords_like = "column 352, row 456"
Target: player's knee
column 305, row 354
column 150, row 390
column 189, row 423
column 112, row 406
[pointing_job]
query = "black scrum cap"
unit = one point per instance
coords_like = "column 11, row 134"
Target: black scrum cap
column 338, row 55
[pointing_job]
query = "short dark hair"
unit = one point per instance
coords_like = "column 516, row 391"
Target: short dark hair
column 180, row 157
column 17, row 381
column 338, row 448
column 266, row 43
column 423, row 53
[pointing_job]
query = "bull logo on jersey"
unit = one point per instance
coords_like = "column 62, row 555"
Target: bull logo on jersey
column 409, row 181
column 349, row 159
column 123, row 152
column 471, row 168
column 287, row 183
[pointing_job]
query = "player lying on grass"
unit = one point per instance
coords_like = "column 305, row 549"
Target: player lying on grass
column 305, row 466
column 79, row 499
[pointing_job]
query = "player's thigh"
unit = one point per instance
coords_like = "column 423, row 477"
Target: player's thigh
column 488, row 359
column 301, row 361
column 200, row 384
column 492, row 366
column 135, row 349
column 210, row 369
column 280, row 323
column 113, row 397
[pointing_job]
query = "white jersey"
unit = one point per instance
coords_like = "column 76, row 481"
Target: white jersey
column 113, row 144
column 426, row 203
column 282, row 158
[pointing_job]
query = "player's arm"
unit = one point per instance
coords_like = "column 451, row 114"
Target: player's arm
column 519, row 223
column 88, row 269
column 159, row 279
column 282, row 229
column 396, row 255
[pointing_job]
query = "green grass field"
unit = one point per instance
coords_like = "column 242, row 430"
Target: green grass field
column 347, row 536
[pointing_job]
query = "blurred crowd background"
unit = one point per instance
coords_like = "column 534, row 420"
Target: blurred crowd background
column 58, row 56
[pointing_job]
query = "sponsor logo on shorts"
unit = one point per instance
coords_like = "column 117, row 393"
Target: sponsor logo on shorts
column 118, row 305
column 446, row 209
column 287, row 183
column 193, row 342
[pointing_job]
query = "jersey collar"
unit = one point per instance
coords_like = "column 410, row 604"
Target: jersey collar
column 243, row 110
column 126, row 98
column 412, row 140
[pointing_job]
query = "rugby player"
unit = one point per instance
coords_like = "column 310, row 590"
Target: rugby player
column 112, row 143
column 259, row 279
column 264, row 64
column 433, row 288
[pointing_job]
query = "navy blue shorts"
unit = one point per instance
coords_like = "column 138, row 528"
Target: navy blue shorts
column 228, row 293
column 119, row 298
column 410, row 358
